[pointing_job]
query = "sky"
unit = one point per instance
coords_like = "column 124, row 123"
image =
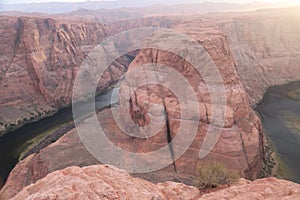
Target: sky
column 183, row 1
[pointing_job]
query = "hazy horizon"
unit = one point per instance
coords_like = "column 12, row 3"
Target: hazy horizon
column 151, row 1
column 65, row 6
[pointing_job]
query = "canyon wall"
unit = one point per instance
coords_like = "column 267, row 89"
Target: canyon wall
column 243, row 53
column 266, row 49
column 40, row 57
column 240, row 143
column 39, row 60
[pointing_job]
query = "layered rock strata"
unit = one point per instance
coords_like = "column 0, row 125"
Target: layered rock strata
column 246, row 70
column 39, row 60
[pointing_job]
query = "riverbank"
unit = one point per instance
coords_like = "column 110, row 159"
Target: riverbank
column 50, row 112
column 35, row 136
column 45, row 132
column 273, row 165
column 19, row 124
column 42, row 141
column 279, row 111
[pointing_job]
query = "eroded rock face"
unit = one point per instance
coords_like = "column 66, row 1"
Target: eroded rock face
column 69, row 151
column 39, row 60
column 102, row 182
column 105, row 182
column 266, row 49
column 270, row 188
column 240, row 146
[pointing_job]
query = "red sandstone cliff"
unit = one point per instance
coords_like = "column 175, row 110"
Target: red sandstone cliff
column 240, row 145
column 39, row 59
column 266, row 49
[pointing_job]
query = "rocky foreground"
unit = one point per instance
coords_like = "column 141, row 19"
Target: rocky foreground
column 105, row 182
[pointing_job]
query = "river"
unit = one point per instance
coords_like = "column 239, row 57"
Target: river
column 280, row 114
column 279, row 111
column 14, row 143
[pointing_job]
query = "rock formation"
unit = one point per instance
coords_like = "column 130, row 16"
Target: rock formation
column 37, row 76
column 266, row 50
column 269, row 188
column 39, row 59
column 240, row 145
column 102, row 182
column 105, row 182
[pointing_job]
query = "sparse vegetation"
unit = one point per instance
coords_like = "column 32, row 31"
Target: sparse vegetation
column 269, row 161
column 214, row 174
column 273, row 165
column 281, row 171
column 30, row 144
column 294, row 94
column 291, row 120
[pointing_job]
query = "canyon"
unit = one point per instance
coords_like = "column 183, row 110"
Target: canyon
column 40, row 58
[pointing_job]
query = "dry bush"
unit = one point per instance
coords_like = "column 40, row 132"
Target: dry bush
column 214, row 174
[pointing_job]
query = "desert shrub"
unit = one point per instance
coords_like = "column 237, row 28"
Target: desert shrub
column 213, row 174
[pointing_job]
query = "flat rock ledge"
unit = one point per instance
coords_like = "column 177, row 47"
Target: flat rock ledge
column 106, row 182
